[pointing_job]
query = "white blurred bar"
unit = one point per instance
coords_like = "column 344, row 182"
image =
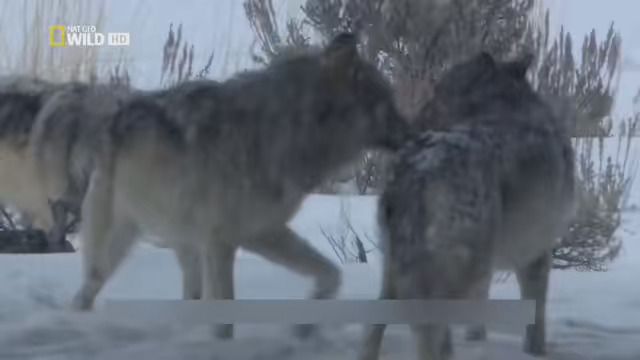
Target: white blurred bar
column 511, row 316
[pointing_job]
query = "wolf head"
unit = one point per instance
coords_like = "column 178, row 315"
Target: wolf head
column 21, row 99
column 482, row 85
column 482, row 76
column 364, row 92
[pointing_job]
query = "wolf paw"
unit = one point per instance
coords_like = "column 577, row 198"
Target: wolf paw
column 534, row 349
column 534, row 342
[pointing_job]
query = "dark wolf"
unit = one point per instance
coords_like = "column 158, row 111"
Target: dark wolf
column 21, row 99
column 64, row 144
column 492, row 192
column 213, row 167
column 47, row 136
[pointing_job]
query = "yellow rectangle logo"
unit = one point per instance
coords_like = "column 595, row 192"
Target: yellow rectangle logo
column 58, row 29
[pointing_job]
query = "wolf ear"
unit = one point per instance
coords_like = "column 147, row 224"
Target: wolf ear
column 519, row 68
column 342, row 51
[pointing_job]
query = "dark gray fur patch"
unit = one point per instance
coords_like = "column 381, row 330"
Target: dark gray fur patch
column 297, row 119
column 17, row 115
column 497, row 138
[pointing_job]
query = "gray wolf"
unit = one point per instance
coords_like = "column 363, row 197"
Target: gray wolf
column 46, row 141
column 49, row 136
column 213, row 167
column 63, row 144
column 21, row 99
column 492, row 192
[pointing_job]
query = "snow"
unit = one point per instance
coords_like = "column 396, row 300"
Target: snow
column 591, row 315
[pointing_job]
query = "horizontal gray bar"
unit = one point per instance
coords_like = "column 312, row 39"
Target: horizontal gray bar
column 512, row 315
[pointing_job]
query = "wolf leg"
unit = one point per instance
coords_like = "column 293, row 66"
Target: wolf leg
column 450, row 275
column 480, row 291
column 57, row 235
column 284, row 247
column 105, row 240
column 188, row 258
column 534, row 281
column 218, row 272
column 103, row 250
column 433, row 342
column 374, row 333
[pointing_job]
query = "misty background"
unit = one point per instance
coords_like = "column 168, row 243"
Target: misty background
column 221, row 27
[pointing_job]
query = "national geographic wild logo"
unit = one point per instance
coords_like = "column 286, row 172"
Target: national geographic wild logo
column 84, row 36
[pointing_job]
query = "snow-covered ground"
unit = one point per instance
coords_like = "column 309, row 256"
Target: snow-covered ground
column 592, row 315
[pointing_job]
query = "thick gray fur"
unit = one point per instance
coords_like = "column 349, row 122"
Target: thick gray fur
column 211, row 167
column 21, row 100
column 48, row 134
column 64, row 142
column 494, row 191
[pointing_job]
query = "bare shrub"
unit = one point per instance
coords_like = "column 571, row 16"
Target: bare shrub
column 582, row 93
column 414, row 42
column 346, row 242
column 33, row 56
column 119, row 76
column 371, row 172
column 177, row 60
column 604, row 188
column 270, row 41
